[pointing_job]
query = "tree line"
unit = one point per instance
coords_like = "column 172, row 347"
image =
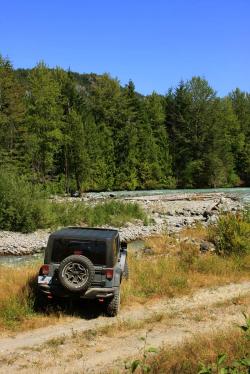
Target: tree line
column 69, row 131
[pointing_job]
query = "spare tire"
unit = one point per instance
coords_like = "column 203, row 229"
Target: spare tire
column 76, row 273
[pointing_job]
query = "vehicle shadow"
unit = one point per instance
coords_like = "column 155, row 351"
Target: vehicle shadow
column 83, row 308
column 86, row 309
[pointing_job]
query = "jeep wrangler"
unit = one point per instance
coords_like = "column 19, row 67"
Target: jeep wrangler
column 84, row 263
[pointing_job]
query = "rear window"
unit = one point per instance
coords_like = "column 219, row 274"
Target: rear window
column 93, row 249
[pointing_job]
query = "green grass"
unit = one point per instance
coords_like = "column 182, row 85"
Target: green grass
column 114, row 213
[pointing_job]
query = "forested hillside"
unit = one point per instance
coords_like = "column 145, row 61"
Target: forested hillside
column 66, row 131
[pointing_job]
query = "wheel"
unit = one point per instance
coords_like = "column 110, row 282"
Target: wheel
column 113, row 305
column 126, row 271
column 76, row 273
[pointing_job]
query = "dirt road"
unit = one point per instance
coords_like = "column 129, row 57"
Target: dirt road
column 93, row 346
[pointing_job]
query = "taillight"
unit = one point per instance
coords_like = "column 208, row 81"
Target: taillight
column 44, row 270
column 77, row 252
column 109, row 273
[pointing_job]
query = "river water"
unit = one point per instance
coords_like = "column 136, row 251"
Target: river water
column 38, row 257
column 242, row 193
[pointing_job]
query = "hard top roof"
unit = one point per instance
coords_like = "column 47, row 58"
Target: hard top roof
column 85, row 233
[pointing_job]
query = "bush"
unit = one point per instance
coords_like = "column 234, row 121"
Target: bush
column 231, row 234
column 25, row 207
column 21, row 204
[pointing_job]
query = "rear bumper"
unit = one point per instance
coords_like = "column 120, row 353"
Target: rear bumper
column 91, row 293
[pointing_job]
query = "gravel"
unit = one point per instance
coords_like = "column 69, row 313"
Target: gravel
column 169, row 213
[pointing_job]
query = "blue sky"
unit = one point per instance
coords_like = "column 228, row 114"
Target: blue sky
column 155, row 43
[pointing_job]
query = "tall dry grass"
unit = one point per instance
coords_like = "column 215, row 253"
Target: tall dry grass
column 178, row 269
column 187, row 358
column 17, row 300
column 175, row 269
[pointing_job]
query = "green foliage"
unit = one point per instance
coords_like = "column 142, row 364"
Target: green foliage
column 21, row 205
column 43, row 120
column 141, row 363
column 113, row 213
column 204, row 135
column 101, row 136
column 241, row 107
column 231, row 234
column 24, row 207
column 246, row 328
column 12, row 112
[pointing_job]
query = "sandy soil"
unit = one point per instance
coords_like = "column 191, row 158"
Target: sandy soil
column 99, row 345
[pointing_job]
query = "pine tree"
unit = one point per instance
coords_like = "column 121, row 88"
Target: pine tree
column 77, row 163
column 201, row 130
column 44, row 116
column 155, row 110
column 241, row 106
column 179, row 127
column 12, row 112
column 89, row 133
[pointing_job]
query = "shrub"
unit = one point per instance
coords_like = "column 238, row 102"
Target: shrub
column 21, row 204
column 231, row 234
column 25, row 207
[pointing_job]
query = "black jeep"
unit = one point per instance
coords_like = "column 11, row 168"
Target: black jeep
column 85, row 263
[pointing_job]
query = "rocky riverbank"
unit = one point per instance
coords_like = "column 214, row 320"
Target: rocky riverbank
column 167, row 213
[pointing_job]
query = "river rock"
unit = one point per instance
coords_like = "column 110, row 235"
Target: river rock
column 169, row 213
column 206, row 246
column 14, row 243
column 148, row 251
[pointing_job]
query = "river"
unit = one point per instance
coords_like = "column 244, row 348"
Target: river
column 38, row 257
column 243, row 193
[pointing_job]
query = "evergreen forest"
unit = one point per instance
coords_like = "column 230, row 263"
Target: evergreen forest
column 68, row 131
